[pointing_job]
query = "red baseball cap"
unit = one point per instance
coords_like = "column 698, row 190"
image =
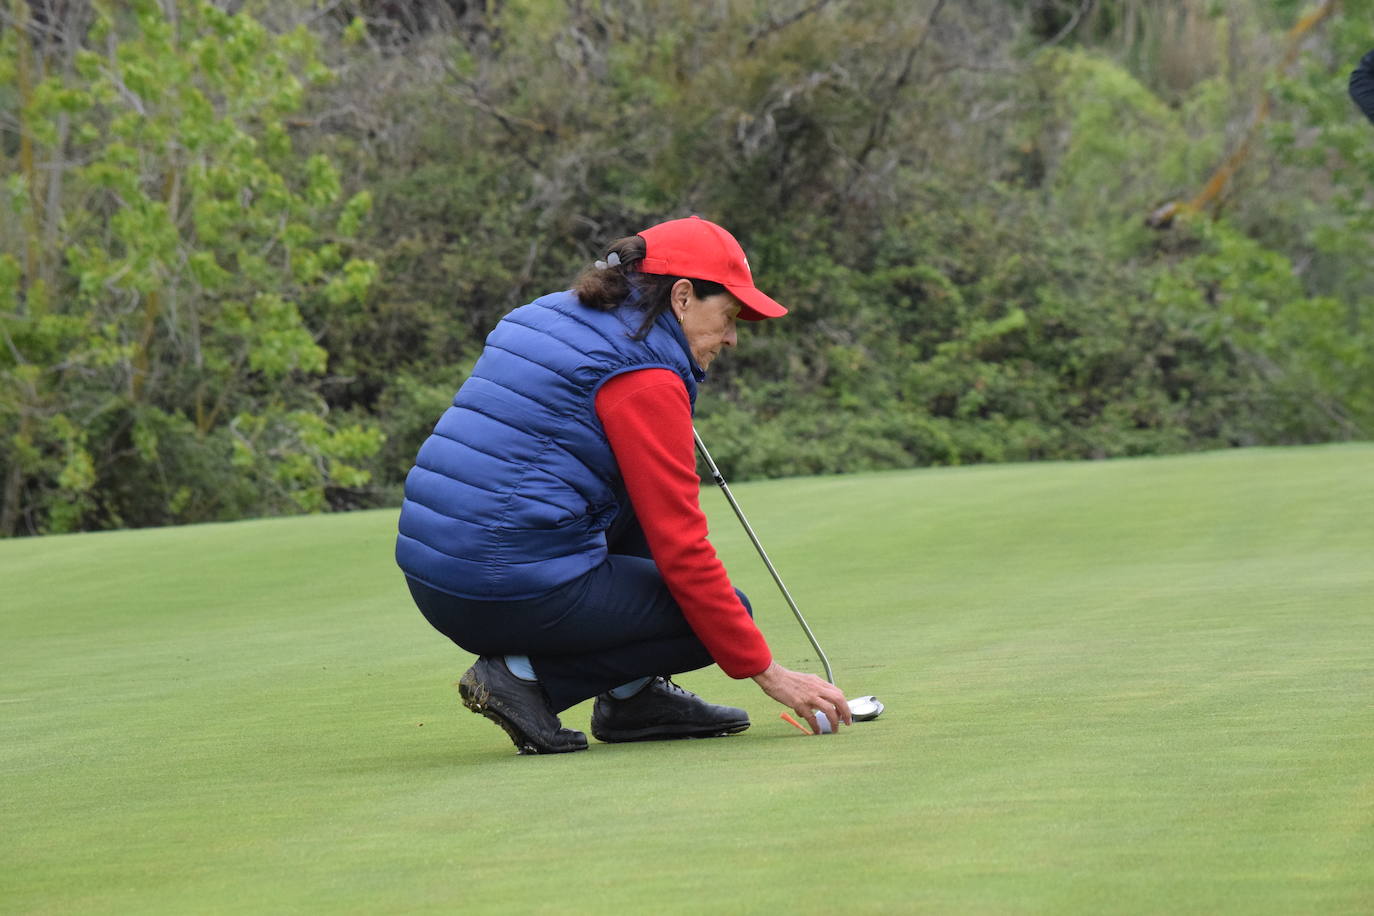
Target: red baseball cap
column 701, row 250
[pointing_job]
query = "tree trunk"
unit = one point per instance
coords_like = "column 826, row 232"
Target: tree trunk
column 14, row 488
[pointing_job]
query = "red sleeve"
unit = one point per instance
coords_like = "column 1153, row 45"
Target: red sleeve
column 648, row 421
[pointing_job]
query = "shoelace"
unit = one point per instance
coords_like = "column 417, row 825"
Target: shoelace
column 682, row 690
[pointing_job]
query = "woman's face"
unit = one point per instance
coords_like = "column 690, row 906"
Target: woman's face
column 708, row 323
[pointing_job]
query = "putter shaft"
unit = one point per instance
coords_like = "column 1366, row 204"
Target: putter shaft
column 763, row 554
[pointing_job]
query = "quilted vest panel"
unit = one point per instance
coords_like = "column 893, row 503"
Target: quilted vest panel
column 512, row 493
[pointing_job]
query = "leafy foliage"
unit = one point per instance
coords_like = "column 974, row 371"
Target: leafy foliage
column 157, row 367
column 247, row 264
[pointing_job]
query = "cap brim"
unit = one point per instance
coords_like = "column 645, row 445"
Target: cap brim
column 756, row 306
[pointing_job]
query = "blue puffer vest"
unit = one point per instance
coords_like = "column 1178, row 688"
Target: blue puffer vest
column 511, row 495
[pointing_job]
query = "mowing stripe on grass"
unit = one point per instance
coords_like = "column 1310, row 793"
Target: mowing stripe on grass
column 1127, row 686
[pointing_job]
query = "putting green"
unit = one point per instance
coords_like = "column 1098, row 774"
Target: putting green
column 1127, row 686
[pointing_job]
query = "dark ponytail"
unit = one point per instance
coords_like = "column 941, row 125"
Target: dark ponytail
column 605, row 288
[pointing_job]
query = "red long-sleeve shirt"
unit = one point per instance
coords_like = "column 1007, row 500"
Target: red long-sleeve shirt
column 648, row 421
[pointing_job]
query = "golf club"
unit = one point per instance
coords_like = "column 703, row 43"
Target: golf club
column 861, row 708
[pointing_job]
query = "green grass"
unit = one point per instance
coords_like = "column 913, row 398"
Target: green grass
column 1131, row 686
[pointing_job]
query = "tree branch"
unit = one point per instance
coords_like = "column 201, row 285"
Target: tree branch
column 1082, row 10
column 879, row 126
column 1163, row 217
column 775, row 27
column 507, row 121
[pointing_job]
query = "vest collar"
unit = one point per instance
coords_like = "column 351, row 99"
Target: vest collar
column 666, row 321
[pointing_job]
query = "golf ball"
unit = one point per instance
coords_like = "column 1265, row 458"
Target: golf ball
column 823, row 722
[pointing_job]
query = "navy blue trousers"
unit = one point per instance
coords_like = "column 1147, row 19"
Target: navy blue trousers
column 612, row 625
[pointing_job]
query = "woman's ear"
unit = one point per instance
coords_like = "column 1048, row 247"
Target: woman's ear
column 679, row 296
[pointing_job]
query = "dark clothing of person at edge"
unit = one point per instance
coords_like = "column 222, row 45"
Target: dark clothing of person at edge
column 552, row 524
column 1362, row 85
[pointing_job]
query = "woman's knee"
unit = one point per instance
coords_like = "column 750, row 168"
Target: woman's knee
column 744, row 600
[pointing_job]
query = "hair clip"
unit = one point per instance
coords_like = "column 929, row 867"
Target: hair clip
column 612, row 260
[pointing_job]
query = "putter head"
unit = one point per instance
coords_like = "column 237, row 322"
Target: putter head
column 866, row 709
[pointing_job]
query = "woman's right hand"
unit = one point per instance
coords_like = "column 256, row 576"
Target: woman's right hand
column 805, row 694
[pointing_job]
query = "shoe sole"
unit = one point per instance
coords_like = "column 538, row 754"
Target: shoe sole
column 671, row 733
column 477, row 697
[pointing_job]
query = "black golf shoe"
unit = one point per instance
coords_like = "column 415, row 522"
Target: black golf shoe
column 663, row 710
column 518, row 706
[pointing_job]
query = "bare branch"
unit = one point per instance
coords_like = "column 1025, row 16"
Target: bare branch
column 879, row 126
column 1083, row 8
column 775, row 27
column 1219, row 182
column 508, row 121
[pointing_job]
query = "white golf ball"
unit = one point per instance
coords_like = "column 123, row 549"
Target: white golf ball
column 823, row 722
